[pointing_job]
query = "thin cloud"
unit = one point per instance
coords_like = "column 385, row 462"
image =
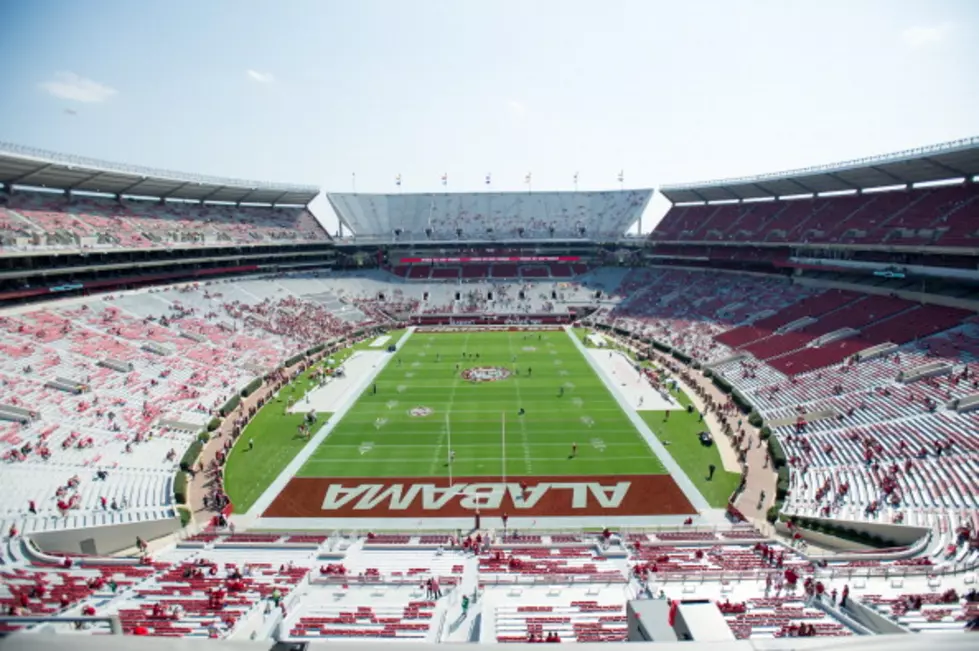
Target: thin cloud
column 261, row 77
column 69, row 85
column 924, row 36
column 515, row 107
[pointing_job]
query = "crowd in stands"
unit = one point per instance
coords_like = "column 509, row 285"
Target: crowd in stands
column 33, row 221
column 573, row 587
column 488, row 294
column 688, row 309
column 113, row 389
column 941, row 216
column 468, row 217
column 875, row 437
column 99, row 397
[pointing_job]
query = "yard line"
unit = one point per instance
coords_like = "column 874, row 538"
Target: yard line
column 443, row 433
column 460, row 459
column 606, row 432
column 523, row 425
column 478, row 445
column 484, row 412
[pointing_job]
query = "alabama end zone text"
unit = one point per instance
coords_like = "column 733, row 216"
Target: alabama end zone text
column 370, row 497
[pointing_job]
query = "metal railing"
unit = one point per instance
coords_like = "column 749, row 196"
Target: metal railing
column 95, row 164
column 962, row 143
column 115, row 624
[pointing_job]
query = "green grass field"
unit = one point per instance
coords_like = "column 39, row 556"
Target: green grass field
column 379, row 438
column 274, row 431
column 679, row 435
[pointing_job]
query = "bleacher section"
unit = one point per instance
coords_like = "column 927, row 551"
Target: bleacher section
column 378, row 587
column 490, row 216
column 865, row 443
column 941, row 216
column 101, row 384
column 687, row 309
column 123, row 384
column 33, row 221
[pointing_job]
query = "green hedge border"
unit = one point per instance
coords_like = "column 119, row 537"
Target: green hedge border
column 180, row 488
column 252, row 387
column 190, row 456
column 782, row 485
column 230, row 406
column 772, row 515
column 180, row 480
column 776, row 451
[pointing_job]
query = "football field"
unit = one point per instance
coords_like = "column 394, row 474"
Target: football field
column 498, row 404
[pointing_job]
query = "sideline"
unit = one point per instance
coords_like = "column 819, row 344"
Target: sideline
column 729, row 458
column 279, row 483
column 683, row 481
column 760, row 477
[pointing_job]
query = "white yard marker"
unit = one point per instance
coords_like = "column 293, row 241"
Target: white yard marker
column 503, row 445
column 448, row 450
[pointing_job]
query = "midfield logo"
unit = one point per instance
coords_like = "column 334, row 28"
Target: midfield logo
column 431, row 497
column 485, row 374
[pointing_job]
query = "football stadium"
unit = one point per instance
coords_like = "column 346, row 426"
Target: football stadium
column 738, row 414
column 487, row 417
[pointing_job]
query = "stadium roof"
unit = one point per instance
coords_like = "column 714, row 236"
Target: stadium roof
column 491, row 215
column 25, row 166
column 956, row 159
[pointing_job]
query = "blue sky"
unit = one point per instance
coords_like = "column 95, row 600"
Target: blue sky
column 311, row 91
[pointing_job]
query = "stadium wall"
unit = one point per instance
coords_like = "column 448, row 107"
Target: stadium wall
column 919, row 297
column 707, row 267
column 486, row 319
column 898, row 534
column 873, row 620
column 106, row 540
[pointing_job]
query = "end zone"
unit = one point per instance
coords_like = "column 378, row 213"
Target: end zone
column 434, row 498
